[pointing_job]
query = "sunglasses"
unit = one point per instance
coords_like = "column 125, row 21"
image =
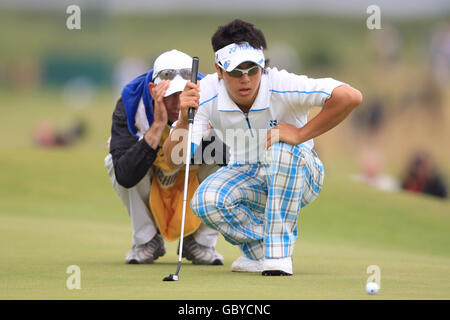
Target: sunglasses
column 169, row 74
column 237, row 73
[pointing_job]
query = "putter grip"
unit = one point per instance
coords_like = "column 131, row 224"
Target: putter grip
column 191, row 111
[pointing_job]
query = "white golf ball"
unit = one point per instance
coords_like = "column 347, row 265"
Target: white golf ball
column 372, row 288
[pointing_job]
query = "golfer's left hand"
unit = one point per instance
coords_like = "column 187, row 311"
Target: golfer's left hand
column 284, row 132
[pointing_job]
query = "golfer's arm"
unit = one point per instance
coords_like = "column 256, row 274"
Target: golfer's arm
column 175, row 145
column 341, row 103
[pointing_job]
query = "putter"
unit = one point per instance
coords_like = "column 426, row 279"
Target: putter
column 191, row 113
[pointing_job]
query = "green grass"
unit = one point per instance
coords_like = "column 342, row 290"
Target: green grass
column 57, row 208
column 52, row 220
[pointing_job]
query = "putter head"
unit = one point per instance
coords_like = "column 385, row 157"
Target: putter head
column 171, row 277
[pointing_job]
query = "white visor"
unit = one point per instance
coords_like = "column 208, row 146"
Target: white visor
column 172, row 59
column 229, row 57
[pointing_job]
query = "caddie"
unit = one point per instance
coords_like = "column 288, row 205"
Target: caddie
column 273, row 171
column 151, row 191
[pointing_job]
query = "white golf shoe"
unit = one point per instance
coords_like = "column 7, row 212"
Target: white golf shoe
column 277, row 267
column 244, row 264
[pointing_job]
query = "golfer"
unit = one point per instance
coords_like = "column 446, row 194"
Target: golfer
column 151, row 192
column 273, row 170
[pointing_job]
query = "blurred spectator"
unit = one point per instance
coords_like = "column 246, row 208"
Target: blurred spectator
column 440, row 53
column 369, row 122
column 371, row 167
column 45, row 135
column 387, row 43
column 371, row 117
column 422, row 176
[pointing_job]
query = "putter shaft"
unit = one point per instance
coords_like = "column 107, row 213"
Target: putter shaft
column 194, row 74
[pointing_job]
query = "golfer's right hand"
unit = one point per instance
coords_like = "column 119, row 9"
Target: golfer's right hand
column 189, row 98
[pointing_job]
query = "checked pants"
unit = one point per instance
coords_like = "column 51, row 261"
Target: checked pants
column 256, row 206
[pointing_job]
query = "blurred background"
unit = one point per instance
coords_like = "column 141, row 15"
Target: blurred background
column 59, row 86
column 387, row 165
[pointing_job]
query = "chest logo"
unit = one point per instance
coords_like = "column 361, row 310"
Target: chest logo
column 273, row 123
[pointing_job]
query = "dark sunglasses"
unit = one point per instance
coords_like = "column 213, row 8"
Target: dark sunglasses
column 169, row 74
column 237, row 73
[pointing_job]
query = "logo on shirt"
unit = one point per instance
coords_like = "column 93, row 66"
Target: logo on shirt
column 273, row 123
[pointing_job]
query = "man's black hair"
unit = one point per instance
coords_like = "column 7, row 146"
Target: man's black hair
column 238, row 31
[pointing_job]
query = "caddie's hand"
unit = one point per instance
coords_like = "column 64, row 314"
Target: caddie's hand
column 189, row 98
column 284, row 132
column 158, row 91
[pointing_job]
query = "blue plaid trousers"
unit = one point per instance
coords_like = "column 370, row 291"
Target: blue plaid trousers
column 256, row 206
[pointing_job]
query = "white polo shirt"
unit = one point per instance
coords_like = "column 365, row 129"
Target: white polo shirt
column 282, row 96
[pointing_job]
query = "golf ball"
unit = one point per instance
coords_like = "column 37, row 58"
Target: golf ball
column 372, row 288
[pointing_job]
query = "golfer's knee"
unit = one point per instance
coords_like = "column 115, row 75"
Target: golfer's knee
column 196, row 205
column 285, row 153
column 205, row 205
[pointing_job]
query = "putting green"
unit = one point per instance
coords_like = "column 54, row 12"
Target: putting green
column 59, row 210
